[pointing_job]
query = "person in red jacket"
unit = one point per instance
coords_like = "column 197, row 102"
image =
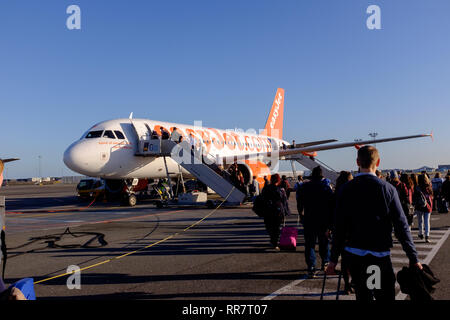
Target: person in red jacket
column 403, row 194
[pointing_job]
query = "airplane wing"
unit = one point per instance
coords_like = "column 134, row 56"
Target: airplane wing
column 320, row 147
column 313, row 143
column 346, row 145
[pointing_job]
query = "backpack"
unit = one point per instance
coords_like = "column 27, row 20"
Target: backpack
column 269, row 201
column 259, row 206
column 423, row 202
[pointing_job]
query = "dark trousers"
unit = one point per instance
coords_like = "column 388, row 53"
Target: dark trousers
column 312, row 236
column 273, row 224
column 358, row 270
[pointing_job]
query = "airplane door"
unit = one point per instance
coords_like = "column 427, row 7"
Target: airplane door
column 142, row 130
column 146, row 146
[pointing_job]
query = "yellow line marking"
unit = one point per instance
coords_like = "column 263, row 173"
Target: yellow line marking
column 133, row 252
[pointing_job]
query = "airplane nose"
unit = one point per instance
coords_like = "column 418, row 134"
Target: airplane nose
column 77, row 158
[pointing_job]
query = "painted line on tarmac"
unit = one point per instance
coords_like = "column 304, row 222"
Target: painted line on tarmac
column 290, row 290
column 285, row 289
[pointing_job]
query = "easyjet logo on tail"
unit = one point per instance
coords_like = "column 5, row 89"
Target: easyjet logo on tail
column 275, row 113
column 274, row 123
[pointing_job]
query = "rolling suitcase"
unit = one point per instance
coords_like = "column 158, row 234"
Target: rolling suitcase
column 288, row 237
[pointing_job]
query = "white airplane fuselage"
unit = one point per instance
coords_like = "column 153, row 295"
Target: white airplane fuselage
column 108, row 149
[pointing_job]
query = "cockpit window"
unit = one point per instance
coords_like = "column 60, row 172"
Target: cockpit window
column 109, row 134
column 94, row 134
column 119, row 134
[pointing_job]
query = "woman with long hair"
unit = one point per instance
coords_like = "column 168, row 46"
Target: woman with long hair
column 275, row 198
column 407, row 204
column 423, row 203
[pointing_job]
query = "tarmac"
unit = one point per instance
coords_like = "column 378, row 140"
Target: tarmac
column 170, row 253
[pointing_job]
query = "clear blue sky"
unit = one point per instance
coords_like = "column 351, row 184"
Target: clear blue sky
column 221, row 62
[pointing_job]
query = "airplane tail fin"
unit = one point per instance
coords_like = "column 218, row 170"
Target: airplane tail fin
column 274, row 123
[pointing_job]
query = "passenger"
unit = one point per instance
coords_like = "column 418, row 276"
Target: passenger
column 414, row 181
column 403, row 194
column 266, row 182
column 367, row 208
column 13, row 292
column 293, row 144
column 254, row 187
column 298, row 183
column 344, row 177
column 164, row 134
column 446, row 190
column 154, row 135
column 275, row 198
column 315, row 207
column 378, row 174
column 436, row 182
column 176, row 136
column 241, row 183
column 423, row 204
column 287, row 187
column 410, row 187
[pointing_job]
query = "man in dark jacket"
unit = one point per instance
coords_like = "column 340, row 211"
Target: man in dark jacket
column 446, row 190
column 314, row 205
column 367, row 208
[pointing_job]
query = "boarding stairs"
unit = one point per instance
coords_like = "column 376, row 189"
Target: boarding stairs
column 202, row 166
column 310, row 163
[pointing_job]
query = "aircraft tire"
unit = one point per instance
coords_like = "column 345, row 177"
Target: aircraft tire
column 132, row 200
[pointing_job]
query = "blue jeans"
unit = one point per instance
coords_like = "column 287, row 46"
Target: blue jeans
column 311, row 237
column 423, row 218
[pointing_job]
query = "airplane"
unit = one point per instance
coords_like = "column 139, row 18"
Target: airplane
column 110, row 149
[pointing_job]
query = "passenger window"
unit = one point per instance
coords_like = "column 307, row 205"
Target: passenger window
column 119, row 135
column 109, row 134
column 94, row 134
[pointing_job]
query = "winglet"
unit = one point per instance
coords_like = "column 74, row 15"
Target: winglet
column 9, row 160
column 131, row 116
column 274, row 123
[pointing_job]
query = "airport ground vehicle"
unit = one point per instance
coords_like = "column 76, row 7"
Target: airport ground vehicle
column 90, row 189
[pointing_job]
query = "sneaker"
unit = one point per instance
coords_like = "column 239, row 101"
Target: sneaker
column 348, row 290
column 312, row 274
column 324, row 266
column 420, row 236
column 427, row 240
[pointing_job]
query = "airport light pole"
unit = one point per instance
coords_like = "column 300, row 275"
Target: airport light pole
column 373, row 135
column 40, row 176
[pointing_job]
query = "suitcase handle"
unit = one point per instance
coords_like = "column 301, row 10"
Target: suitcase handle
column 338, row 287
column 298, row 221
